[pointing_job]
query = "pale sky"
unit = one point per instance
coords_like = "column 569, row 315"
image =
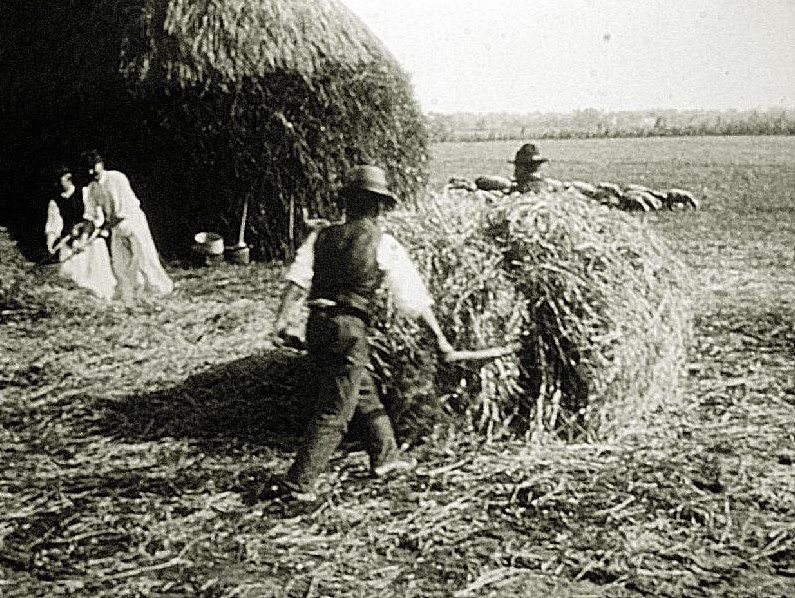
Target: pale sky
column 561, row 55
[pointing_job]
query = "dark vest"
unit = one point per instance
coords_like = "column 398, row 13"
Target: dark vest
column 346, row 269
column 71, row 209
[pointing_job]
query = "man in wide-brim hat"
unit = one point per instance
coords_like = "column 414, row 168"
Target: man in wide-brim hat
column 338, row 270
column 526, row 164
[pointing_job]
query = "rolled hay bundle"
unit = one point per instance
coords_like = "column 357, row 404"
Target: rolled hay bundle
column 595, row 298
column 477, row 306
column 204, row 103
column 609, row 313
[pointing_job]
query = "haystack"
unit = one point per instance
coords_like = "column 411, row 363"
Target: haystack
column 206, row 104
column 477, row 305
column 596, row 299
column 609, row 312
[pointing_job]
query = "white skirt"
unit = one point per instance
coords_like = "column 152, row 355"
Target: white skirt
column 90, row 268
column 136, row 263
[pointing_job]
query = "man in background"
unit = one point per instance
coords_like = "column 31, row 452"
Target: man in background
column 526, row 164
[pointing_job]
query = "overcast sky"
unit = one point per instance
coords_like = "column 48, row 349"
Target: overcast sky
column 561, row 55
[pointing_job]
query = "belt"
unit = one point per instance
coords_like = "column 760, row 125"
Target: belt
column 331, row 308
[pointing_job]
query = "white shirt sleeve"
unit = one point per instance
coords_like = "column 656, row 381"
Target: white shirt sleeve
column 402, row 278
column 54, row 225
column 91, row 211
column 125, row 202
column 302, row 269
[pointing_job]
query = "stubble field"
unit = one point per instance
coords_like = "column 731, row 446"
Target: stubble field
column 133, row 439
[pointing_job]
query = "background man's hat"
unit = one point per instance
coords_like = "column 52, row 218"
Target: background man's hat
column 528, row 154
column 371, row 179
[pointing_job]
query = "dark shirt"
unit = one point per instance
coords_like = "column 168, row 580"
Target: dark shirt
column 71, row 209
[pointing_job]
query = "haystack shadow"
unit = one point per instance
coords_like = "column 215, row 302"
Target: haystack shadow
column 264, row 398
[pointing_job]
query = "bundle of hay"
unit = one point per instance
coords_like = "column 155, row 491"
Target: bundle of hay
column 595, row 298
column 609, row 312
column 637, row 198
column 630, row 198
column 204, row 104
column 477, row 305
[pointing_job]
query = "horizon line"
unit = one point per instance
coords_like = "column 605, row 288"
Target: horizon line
column 607, row 111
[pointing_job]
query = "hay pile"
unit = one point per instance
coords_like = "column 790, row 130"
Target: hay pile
column 477, row 306
column 204, row 104
column 18, row 297
column 628, row 198
column 597, row 301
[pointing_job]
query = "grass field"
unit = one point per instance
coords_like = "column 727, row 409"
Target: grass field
column 133, row 439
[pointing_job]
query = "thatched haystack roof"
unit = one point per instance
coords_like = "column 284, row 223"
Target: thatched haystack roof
column 229, row 41
column 208, row 103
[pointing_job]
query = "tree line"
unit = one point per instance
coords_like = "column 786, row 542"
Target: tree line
column 593, row 123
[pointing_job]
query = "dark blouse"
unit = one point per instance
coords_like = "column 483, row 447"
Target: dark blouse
column 71, row 209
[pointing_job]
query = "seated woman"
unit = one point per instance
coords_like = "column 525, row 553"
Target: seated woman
column 70, row 232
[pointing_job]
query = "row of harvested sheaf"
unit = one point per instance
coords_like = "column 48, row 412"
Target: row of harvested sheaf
column 629, row 198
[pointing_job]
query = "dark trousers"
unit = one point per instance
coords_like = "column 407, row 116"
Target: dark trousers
column 340, row 354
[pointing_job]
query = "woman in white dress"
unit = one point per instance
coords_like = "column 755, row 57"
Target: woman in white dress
column 70, row 233
column 116, row 208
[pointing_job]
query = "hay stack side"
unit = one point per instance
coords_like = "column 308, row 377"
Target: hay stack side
column 609, row 310
column 477, row 306
column 204, row 103
column 597, row 301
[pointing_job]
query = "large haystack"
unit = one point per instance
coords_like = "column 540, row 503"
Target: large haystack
column 204, row 104
column 597, row 301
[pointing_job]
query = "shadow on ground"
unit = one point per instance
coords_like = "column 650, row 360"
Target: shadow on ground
column 264, row 398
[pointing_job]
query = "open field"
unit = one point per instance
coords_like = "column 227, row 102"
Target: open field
column 133, row 439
